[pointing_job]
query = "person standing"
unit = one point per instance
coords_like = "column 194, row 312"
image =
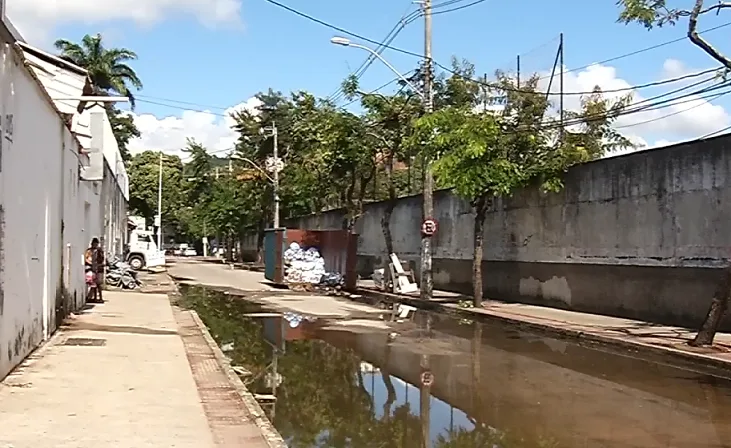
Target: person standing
column 94, row 261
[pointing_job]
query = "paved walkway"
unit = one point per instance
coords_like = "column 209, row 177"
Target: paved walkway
column 218, row 274
column 130, row 385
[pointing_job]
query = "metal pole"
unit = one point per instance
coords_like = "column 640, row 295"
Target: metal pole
column 518, row 71
column 561, row 131
column 276, row 176
column 428, row 187
column 159, row 206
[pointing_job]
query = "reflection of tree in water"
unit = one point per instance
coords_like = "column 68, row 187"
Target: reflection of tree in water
column 322, row 401
column 489, row 438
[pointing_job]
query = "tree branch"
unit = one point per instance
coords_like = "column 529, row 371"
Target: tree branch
column 700, row 41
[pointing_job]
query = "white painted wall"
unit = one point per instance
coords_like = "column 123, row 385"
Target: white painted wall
column 48, row 213
column 31, row 201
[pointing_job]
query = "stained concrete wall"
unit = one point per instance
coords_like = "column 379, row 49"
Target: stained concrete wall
column 48, row 212
column 639, row 236
column 31, row 198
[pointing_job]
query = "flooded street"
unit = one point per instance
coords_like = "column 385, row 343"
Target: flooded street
column 431, row 380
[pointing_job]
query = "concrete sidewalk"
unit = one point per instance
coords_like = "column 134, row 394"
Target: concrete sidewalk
column 127, row 382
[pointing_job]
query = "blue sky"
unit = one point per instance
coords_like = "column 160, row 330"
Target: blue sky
column 221, row 52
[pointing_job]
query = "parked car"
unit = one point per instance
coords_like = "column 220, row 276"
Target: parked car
column 189, row 252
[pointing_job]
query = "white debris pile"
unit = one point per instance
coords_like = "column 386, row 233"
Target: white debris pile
column 303, row 265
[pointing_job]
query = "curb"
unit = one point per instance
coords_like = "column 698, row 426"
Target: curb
column 697, row 362
column 270, row 434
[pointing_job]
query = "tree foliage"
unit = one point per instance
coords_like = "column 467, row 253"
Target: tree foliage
column 108, row 67
column 109, row 73
column 659, row 13
column 144, row 172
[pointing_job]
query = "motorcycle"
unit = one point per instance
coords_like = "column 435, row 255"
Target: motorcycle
column 121, row 275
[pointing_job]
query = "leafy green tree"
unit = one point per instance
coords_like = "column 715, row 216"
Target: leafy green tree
column 109, row 73
column 108, row 67
column 658, row 13
column 491, row 155
column 124, row 129
column 198, row 173
column 143, row 178
column 389, row 121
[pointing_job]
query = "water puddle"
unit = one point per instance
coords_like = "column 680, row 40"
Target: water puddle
column 434, row 381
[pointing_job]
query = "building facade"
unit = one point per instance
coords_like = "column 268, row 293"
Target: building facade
column 62, row 183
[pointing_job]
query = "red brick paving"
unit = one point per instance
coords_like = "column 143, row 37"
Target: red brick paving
column 228, row 417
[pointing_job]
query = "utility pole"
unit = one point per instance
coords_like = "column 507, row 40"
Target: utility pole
column 275, row 174
column 159, row 206
column 560, row 52
column 518, row 70
column 426, row 286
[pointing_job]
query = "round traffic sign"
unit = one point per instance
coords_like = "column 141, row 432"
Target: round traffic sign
column 427, row 379
column 429, row 227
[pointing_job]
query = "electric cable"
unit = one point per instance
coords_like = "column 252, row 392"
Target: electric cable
column 390, row 37
column 411, row 53
column 457, row 8
column 715, row 132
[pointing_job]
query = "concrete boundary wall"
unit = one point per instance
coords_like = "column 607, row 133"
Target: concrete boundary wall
column 641, row 236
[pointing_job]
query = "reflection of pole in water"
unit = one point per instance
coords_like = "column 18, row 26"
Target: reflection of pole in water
column 476, row 377
column 275, row 380
column 424, row 405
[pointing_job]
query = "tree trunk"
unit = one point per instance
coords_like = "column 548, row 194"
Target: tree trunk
column 480, row 207
column 390, row 205
column 716, row 312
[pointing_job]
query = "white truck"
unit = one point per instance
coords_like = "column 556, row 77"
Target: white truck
column 143, row 251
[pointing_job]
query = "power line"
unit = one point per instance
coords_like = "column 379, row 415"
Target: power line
column 715, row 97
column 390, row 37
column 457, row 8
column 497, row 86
column 715, row 132
column 374, row 90
column 337, row 28
column 172, row 106
column 643, row 50
column 206, row 106
column 381, row 44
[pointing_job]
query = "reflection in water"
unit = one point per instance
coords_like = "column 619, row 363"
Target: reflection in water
column 492, row 388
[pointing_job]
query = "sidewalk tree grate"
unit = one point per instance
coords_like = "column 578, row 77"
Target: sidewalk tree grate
column 85, row 342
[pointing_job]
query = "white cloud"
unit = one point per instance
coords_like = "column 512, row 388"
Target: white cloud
column 169, row 134
column 35, row 19
column 685, row 119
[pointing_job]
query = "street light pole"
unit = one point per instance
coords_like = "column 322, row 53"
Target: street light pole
column 159, row 206
column 427, row 285
column 275, row 174
column 347, row 43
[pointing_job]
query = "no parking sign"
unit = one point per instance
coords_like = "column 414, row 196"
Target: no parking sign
column 429, row 227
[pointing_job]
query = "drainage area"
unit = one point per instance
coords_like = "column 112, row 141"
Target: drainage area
column 435, row 381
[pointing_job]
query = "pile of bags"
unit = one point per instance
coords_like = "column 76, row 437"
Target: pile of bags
column 307, row 266
column 303, row 265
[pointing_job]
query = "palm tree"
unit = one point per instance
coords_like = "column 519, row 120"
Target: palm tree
column 107, row 67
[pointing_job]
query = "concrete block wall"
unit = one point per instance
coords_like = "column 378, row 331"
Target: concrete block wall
column 641, row 236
